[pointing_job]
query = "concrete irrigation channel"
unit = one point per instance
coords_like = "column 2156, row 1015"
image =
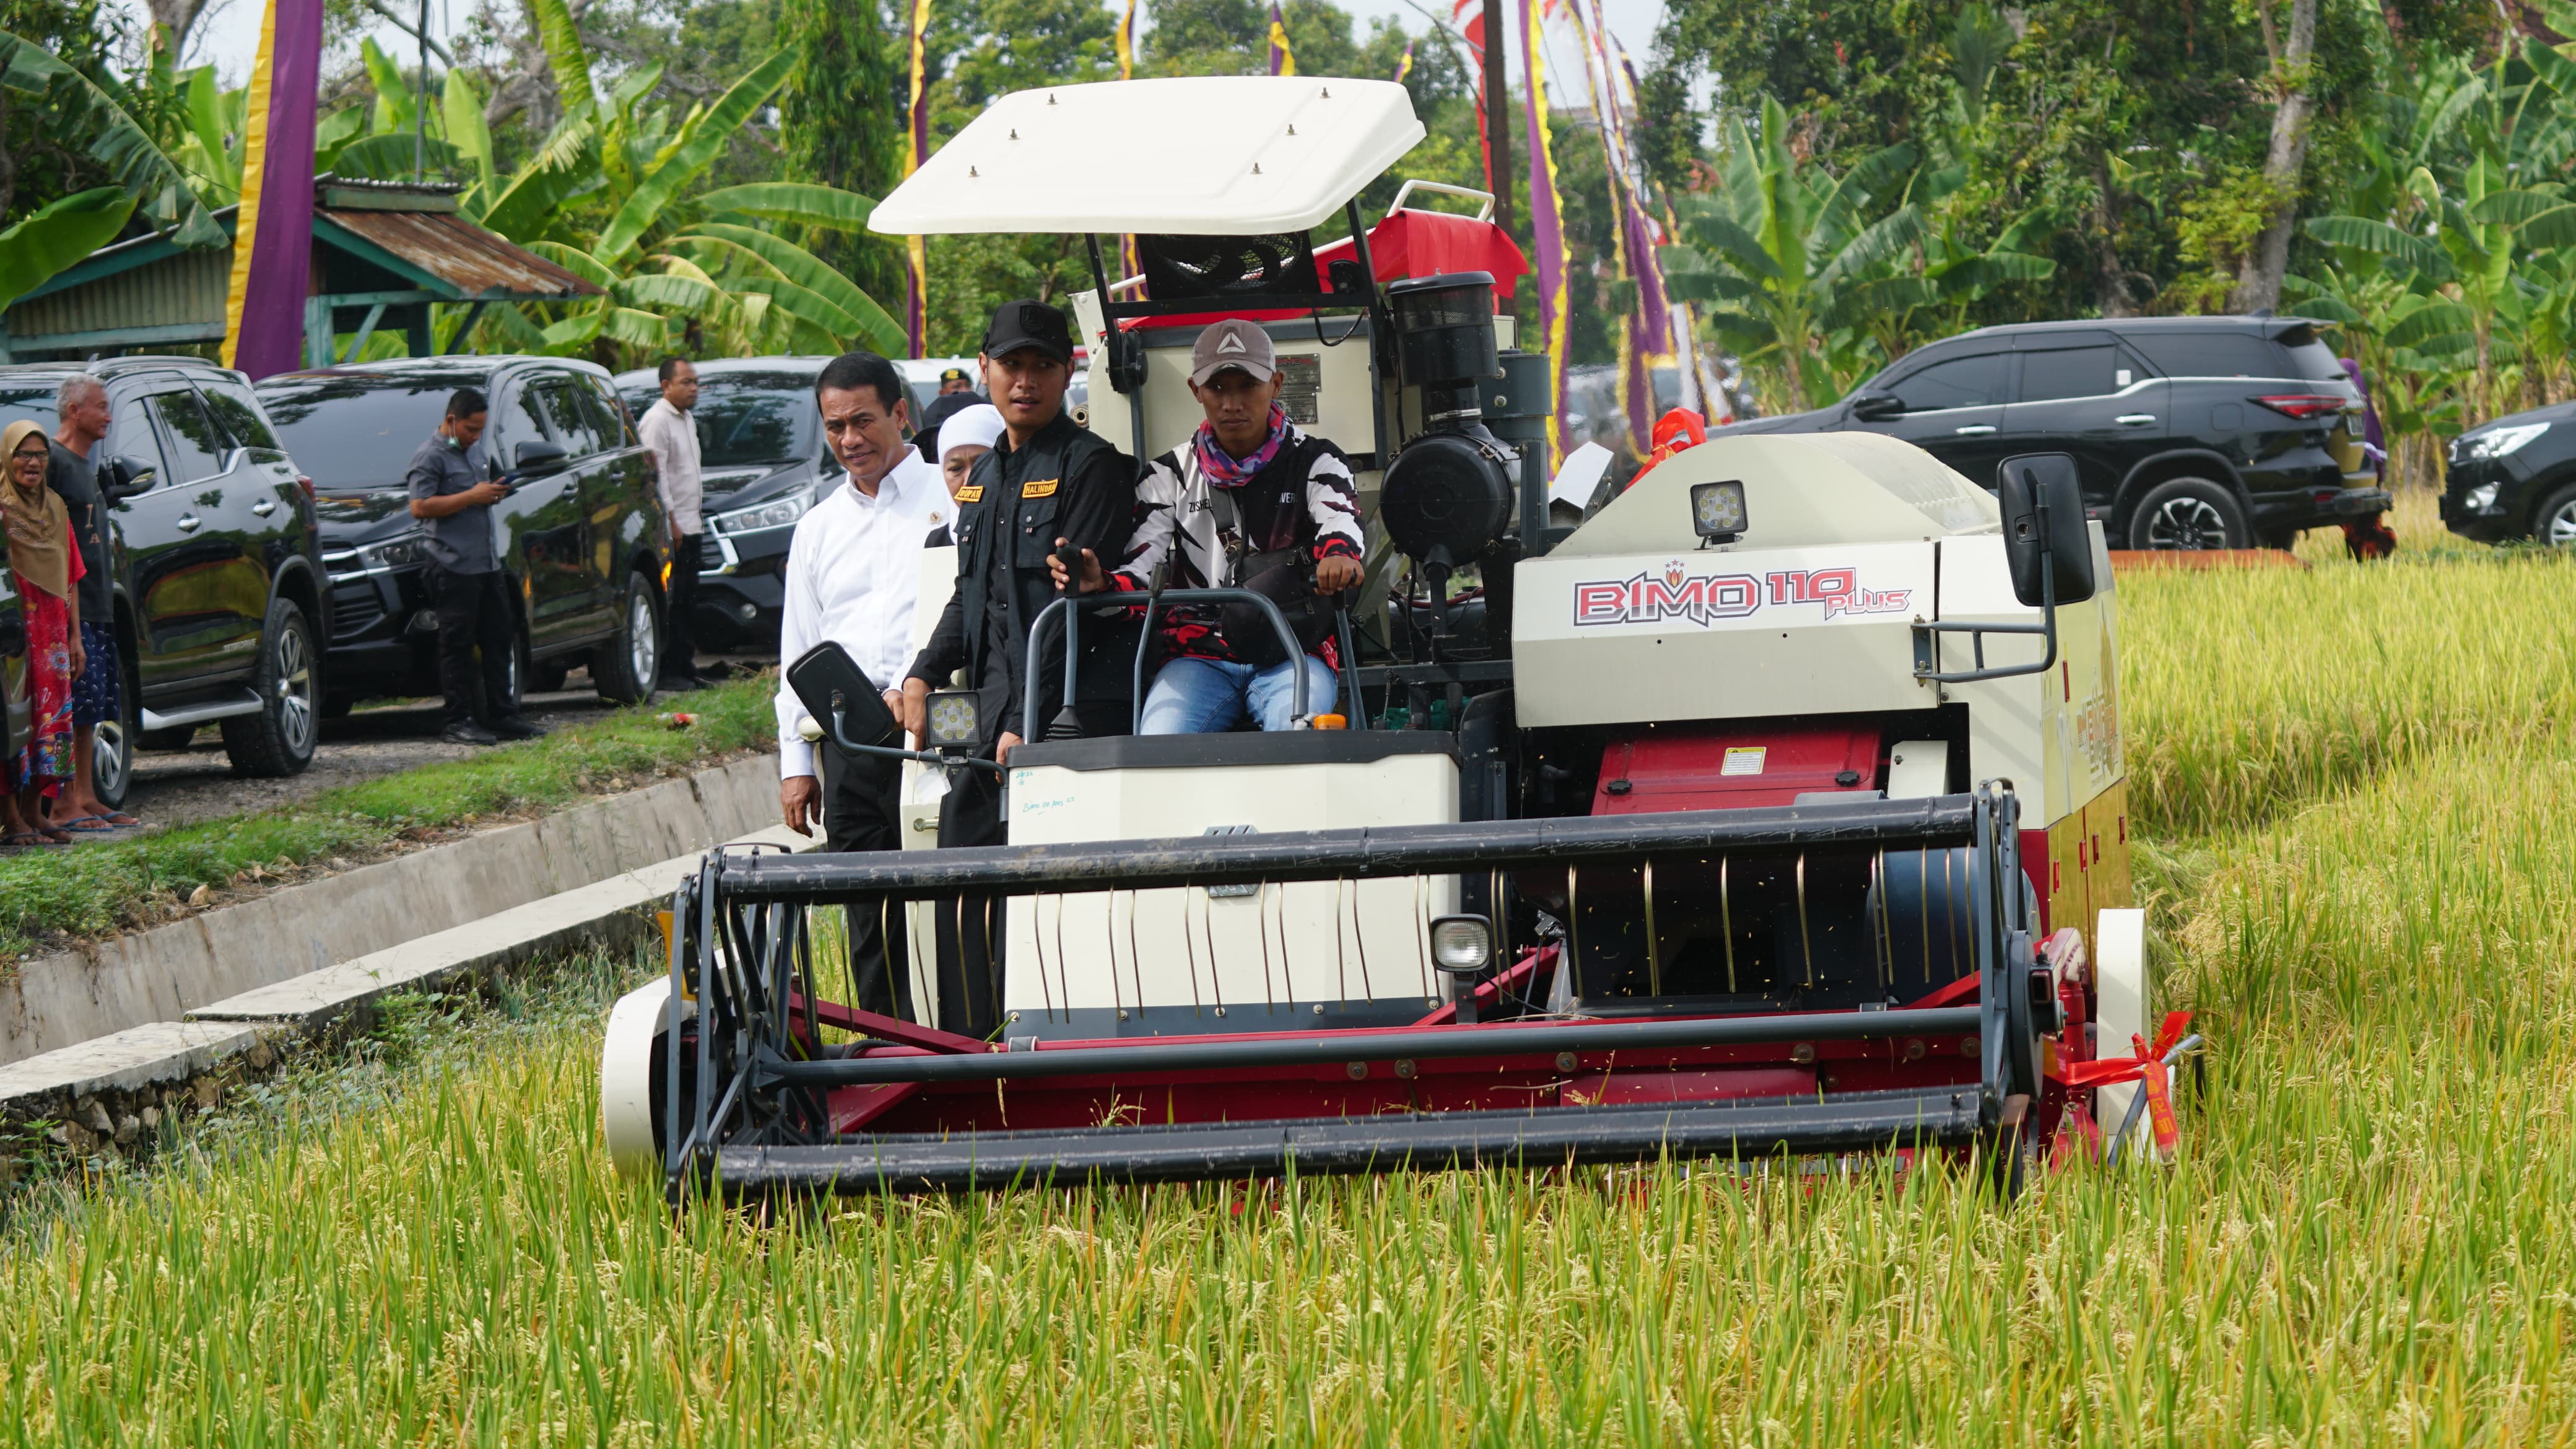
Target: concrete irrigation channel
column 100, row 1041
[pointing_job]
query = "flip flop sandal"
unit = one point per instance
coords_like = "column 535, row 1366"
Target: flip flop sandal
column 20, row 840
column 121, row 820
column 87, row 825
column 56, row 836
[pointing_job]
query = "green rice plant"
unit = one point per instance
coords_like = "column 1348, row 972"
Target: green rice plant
column 2366, row 1240
column 2247, row 693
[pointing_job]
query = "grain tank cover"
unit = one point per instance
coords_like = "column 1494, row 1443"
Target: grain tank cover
column 1184, row 156
column 1801, row 490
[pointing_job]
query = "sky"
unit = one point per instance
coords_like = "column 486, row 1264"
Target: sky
column 230, row 36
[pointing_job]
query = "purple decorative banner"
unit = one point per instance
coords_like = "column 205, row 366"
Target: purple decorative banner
column 1547, row 229
column 273, row 233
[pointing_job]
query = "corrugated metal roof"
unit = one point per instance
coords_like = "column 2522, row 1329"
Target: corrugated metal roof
column 479, row 264
column 188, row 287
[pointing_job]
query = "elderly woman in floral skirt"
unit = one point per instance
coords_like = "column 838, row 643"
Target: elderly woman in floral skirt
column 45, row 565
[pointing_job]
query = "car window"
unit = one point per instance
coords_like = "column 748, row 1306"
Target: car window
column 606, row 416
column 2311, row 358
column 35, row 404
column 747, row 418
column 513, row 423
column 358, row 430
column 196, row 448
column 2073, row 372
column 231, row 404
column 1961, row 382
column 565, row 419
column 2213, row 354
column 129, row 435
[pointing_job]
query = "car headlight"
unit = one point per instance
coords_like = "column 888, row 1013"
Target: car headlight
column 776, row 513
column 2480, row 499
column 2495, row 442
column 401, row 551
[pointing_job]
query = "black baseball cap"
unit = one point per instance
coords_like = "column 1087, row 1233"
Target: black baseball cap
column 952, row 374
column 941, row 409
column 1029, row 323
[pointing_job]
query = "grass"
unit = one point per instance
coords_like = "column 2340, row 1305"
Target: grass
column 2367, row 1240
column 46, row 896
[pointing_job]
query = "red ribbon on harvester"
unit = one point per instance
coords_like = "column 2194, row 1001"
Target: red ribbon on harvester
column 2111, row 1071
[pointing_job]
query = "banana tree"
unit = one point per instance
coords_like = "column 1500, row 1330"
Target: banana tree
column 1783, row 250
column 667, row 260
column 164, row 193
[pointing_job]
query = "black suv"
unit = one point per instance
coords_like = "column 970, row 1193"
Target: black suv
column 2514, row 477
column 762, row 462
column 582, row 534
column 221, row 602
column 2190, row 432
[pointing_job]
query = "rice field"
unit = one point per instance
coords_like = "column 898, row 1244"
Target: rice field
column 2363, row 802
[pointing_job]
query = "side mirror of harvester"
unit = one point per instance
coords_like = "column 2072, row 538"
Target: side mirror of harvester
column 2050, row 553
column 2045, row 539
column 852, row 711
column 838, row 693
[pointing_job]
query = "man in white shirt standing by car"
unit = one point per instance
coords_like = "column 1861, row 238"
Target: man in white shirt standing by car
column 670, row 433
column 853, row 574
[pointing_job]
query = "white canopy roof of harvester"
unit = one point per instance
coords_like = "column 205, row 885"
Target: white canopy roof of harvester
column 1186, row 156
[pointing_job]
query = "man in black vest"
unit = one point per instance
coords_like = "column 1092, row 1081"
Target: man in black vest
column 1048, row 483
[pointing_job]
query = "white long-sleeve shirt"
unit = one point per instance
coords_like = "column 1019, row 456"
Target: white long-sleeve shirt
column 671, row 436
column 853, row 575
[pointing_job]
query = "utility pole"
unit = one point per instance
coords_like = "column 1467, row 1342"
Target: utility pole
column 1498, row 130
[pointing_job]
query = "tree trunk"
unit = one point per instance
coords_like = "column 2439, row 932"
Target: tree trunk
column 2110, row 278
column 176, row 18
column 2258, row 278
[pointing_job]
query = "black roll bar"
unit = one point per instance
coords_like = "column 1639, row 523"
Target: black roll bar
column 1068, row 620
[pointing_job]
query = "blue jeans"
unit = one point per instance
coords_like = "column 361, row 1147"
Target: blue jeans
column 1194, row 696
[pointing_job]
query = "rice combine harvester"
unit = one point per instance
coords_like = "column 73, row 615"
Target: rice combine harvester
column 1773, row 809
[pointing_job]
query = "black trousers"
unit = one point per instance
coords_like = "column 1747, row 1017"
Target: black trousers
column 679, row 618
column 861, row 795
column 474, row 613
column 970, row 963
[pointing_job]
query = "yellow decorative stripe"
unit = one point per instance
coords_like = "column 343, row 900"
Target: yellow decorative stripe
column 1043, row 488
column 254, row 171
column 971, row 493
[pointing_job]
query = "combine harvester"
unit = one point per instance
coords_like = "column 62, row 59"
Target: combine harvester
column 1732, row 822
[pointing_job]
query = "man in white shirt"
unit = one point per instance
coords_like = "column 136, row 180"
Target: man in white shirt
column 670, row 434
column 853, row 573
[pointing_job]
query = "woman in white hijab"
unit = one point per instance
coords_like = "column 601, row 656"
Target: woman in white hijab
column 964, row 436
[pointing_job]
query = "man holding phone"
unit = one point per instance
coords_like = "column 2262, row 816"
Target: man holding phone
column 450, row 494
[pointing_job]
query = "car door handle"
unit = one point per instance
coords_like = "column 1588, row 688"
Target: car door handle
column 2134, row 420
column 188, row 522
column 1974, row 430
column 264, row 507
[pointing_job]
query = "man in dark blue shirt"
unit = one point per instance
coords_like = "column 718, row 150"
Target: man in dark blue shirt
column 449, row 493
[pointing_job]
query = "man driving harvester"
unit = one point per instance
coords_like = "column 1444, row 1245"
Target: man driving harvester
column 1254, row 503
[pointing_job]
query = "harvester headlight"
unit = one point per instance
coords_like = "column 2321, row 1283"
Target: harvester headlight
column 1717, row 510
column 1462, row 943
column 953, row 718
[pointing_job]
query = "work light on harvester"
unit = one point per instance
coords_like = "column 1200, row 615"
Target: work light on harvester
column 1777, row 806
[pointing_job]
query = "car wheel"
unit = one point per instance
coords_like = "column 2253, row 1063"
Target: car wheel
column 2554, row 521
column 111, row 753
column 626, row 666
column 514, row 678
column 2188, row 514
column 279, row 738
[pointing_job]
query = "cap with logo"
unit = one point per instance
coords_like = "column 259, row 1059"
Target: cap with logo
column 952, row 374
column 1233, row 342
column 1029, row 324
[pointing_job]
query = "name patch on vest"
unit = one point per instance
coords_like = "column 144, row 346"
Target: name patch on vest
column 971, row 493
column 1041, row 488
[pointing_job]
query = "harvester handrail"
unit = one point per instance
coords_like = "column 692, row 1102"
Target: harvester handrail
column 1068, row 618
column 1305, row 855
